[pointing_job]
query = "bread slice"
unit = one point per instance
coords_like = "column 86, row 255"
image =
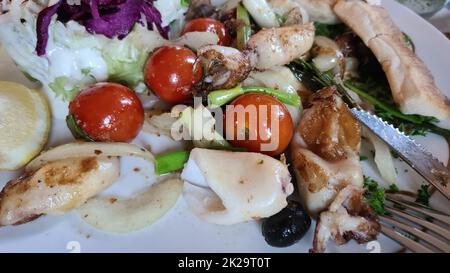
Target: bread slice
column 412, row 85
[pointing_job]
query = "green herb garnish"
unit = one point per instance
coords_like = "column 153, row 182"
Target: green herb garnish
column 423, row 195
column 244, row 30
column 331, row 31
column 281, row 19
column 394, row 188
column 375, row 196
column 184, row 3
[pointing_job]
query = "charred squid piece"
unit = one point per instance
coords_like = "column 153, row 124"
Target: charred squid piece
column 55, row 188
column 348, row 217
column 225, row 67
column 279, row 46
column 325, row 151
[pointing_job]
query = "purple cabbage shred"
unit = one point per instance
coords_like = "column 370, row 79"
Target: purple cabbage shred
column 111, row 18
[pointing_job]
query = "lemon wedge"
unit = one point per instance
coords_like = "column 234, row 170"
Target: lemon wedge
column 25, row 121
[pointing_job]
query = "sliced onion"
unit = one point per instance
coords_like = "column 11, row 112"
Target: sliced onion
column 325, row 62
column 327, row 53
column 326, row 46
column 228, row 5
column 159, row 124
column 383, row 158
column 88, row 149
column 262, row 13
column 122, row 215
column 195, row 40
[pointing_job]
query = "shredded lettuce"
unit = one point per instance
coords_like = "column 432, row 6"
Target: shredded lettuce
column 111, row 18
column 126, row 58
column 74, row 57
column 59, row 86
column 171, row 10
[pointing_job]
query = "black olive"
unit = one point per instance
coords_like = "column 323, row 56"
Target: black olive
column 286, row 227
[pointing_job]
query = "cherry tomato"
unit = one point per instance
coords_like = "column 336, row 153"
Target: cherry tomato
column 209, row 25
column 258, row 120
column 107, row 112
column 171, row 72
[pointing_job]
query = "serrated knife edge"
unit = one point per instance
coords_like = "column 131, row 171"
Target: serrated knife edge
column 430, row 168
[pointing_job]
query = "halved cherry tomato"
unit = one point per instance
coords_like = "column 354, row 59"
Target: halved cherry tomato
column 171, row 72
column 106, row 112
column 209, row 25
column 258, row 120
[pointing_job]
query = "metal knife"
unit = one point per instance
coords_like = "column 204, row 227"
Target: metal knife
column 431, row 169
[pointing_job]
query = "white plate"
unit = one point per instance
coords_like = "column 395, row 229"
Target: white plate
column 180, row 230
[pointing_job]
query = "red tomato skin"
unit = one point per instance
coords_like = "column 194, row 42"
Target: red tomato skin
column 209, row 25
column 171, row 73
column 108, row 112
column 285, row 131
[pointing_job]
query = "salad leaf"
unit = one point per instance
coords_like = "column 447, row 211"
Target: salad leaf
column 75, row 58
column 59, row 86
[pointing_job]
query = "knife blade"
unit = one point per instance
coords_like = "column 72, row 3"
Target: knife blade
column 430, row 168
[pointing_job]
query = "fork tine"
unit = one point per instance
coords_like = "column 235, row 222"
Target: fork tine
column 435, row 228
column 422, row 209
column 418, row 233
column 406, row 242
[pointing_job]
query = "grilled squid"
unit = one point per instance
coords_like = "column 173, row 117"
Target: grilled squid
column 62, row 179
column 226, row 188
column 55, row 188
column 279, row 46
column 325, row 151
column 225, row 66
column 348, row 217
